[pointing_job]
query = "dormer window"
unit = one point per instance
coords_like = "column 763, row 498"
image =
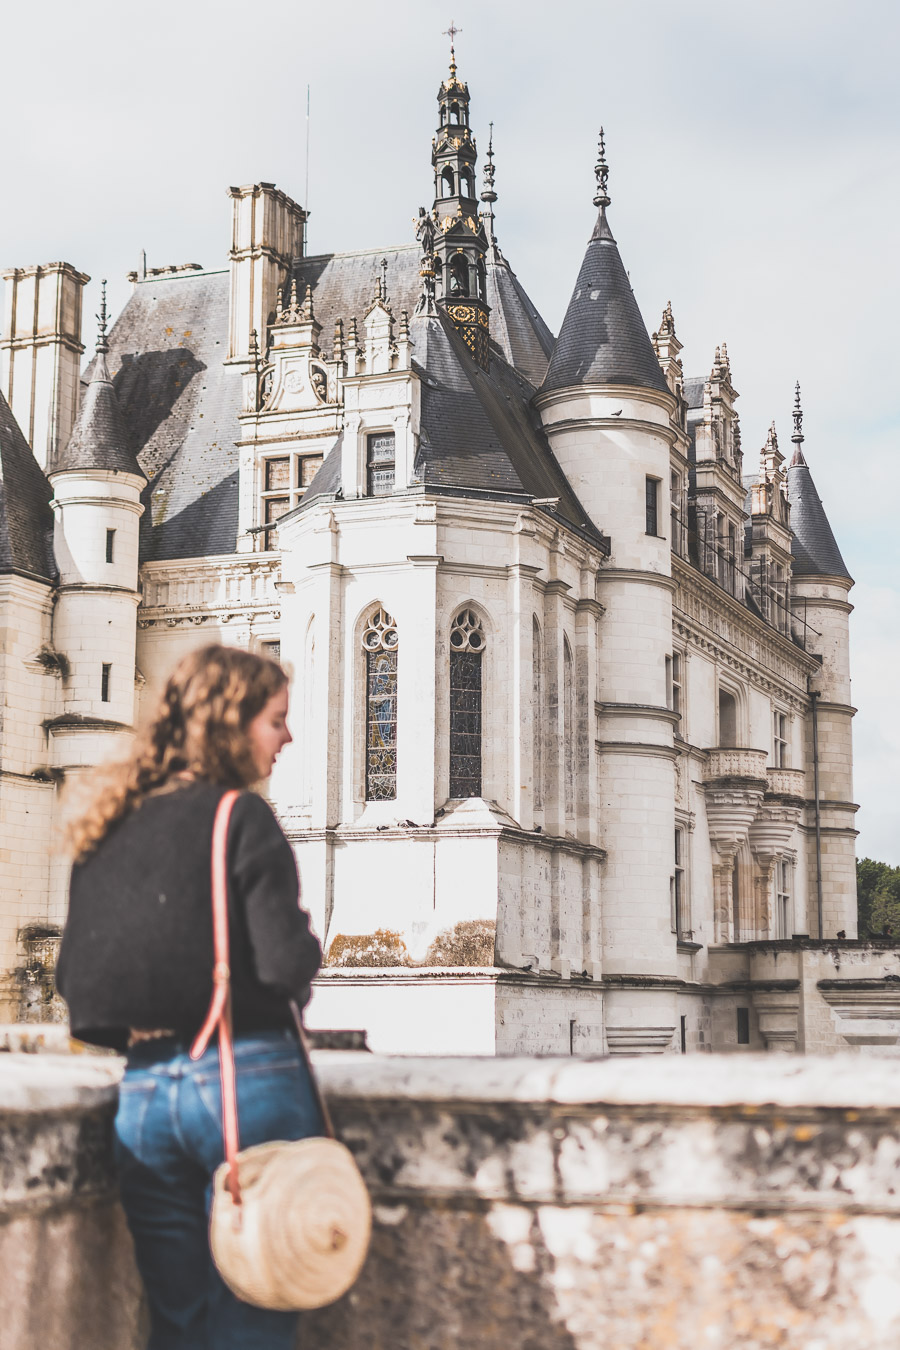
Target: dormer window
column 381, row 464
column 285, row 479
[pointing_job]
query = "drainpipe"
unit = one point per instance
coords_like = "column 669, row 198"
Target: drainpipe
column 814, row 699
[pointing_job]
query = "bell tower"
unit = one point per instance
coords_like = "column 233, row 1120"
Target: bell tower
column 460, row 243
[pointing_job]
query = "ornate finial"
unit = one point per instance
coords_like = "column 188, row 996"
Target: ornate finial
column 352, row 336
column 727, row 364
column 384, row 267
column 451, row 33
column 294, row 294
column 798, row 437
column 102, row 340
column 308, row 303
column 404, row 324
column 338, row 348
column 279, row 304
column 489, row 195
column 667, row 324
column 601, row 170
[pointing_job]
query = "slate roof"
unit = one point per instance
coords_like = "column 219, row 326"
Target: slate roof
column 815, row 550
column 516, row 327
column 26, row 521
column 180, row 403
column 693, row 391
column 479, row 433
column 603, row 339
column 99, row 439
column 343, row 284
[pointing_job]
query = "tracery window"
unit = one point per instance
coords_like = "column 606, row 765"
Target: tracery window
column 380, row 642
column 466, row 653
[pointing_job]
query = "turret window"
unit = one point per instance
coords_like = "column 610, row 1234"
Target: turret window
column 380, row 642
column 459, row 275
column 105, row 676
column 454, row 114
column 110, row 545
column 448, row 187
column 381, row 464
column 466, row 655
column 467, row 184
column 651, row 500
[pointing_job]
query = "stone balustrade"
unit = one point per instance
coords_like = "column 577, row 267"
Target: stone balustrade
column 787, row 783
column 738, row 1203
column 729, row 762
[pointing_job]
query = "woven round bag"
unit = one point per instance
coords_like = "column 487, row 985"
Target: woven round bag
column 300, row 1236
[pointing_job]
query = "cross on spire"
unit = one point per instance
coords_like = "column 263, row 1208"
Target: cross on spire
column 451, row 33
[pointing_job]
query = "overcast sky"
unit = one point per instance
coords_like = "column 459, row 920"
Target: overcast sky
column 755, row 163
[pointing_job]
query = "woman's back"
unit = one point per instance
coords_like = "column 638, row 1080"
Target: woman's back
column 138, row 952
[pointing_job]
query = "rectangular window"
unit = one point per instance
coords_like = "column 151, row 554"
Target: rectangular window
column 380, row 464
column 465, row 724
column 783, row 919
column 677, row 543
column 674, row 683
column 307, row 468
column 743, row 1026
column 381, row 726
column 652, row 504
column 781, row 749
column 272, row 650
column 110, row 545
column 679, row 889
column 105, row 673
column 278, row 474
column 683, row 1035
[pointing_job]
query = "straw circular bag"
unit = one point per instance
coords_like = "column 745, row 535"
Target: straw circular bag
column 291, row 1220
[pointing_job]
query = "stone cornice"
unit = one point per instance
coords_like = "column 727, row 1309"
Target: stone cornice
column 710, row 619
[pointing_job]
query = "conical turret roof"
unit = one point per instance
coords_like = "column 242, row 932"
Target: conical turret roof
column 603, row 339
column 814, row 549
column 99, row 438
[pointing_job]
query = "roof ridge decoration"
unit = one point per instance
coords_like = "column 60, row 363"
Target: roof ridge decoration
column 489, row 195
column 603, row 339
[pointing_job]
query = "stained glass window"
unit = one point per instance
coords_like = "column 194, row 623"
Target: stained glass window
column 380, row 645
column 466, row 651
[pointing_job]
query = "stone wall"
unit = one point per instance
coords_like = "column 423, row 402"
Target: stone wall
column 646, row 1204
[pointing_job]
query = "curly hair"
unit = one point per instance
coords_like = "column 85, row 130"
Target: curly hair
column 199, row 730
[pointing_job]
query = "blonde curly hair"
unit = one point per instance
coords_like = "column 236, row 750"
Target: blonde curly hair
column 199, row 730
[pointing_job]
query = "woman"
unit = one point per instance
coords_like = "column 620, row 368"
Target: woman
column 136, row 971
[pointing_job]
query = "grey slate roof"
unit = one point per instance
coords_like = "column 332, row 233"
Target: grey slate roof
column 479, row 433
column 180, row 405
column 99, row 439
column 26, row 521
column 815, row 551
column 603, row 339
column 693, row 391
column 516, row 327
column 343, row 284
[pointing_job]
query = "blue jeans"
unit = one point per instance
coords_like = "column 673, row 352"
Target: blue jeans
column 168, row 1144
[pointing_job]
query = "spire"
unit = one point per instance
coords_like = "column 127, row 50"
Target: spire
column 798, row 438
column 603, row 339
column 460, row 241
column 99, row 437
column 489, row 196
column 451, row 33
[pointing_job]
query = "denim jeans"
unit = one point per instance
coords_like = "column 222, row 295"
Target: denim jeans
column 168, row 1144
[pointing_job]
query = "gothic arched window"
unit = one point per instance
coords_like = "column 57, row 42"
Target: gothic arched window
column 482, row 280
column 454, row 114
column 459, row 275
column 448, row 188
column 467, row 184
column 380, row 642
column 466, row 651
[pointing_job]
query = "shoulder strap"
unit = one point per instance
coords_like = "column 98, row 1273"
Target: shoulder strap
column 219, row 1014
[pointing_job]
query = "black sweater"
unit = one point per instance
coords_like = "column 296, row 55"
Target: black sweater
column 137, row 950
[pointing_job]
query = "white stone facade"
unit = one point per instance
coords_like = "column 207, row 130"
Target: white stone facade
column 646, row 822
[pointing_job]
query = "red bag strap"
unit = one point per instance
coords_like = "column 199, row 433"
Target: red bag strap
column 219, row 1014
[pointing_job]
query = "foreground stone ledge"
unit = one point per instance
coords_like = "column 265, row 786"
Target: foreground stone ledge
column 642, row 1204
